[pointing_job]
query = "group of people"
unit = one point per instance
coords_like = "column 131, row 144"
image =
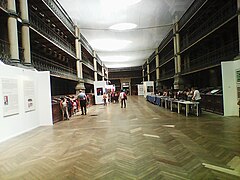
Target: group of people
column 69, row 105
column 189, row 94
column 115, row 97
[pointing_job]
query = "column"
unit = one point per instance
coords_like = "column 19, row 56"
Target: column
column 238, row 11
column 95, row 66
column 102, row 73
column 79, row 63
column 148, row 71
column 143, row 74
column 178, row 81
column 157, row 69
column 12, row 32
column 25, row 32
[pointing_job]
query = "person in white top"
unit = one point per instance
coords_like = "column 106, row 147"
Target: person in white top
column 197, row 97
column 123, row 98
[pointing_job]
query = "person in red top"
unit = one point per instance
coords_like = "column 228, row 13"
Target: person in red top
column 123, row 98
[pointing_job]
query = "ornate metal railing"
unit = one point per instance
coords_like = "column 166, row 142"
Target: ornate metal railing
column 136, row 68
column 135, row 74
column 3, row 4
column 221, row 16
column 195, row 6
column 87, row 63
column 152, row 66
column 152, row 57
column 153, row 76
column 226, row 53
column 166, row 57
column 164, row 42
column 61, row 13
column 46, row 30
column 44, row 64
column 5, row 52
column 88, row 76
column 86, row 44
column 167, row 74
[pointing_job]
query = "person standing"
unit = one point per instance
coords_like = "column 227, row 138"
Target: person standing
column 197, row 98
column 64, row 107
column 123, row 98
column 83, row 102
column 104, row 99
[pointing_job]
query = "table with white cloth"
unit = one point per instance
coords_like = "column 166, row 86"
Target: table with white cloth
column 187, row 105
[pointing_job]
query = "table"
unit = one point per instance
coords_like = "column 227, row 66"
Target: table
column 187, row 104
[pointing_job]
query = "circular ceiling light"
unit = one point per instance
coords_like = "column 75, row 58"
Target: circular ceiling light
column 109, row 44
column 115, row 59
column 117, row 3
column 123, row 26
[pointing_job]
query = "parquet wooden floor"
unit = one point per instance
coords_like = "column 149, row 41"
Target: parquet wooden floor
column 142, row 141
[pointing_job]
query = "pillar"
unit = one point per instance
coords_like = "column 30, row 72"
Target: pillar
column 79, row 63
column 95, row 65
column 157, row 69
column 102, row 73
column 25, row 32
column 178, row 81
column 148, row 70
column 12, row 31
column 143, row 74
column 238, row 6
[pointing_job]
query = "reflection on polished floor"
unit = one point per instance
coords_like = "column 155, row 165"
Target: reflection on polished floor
column 143, row 141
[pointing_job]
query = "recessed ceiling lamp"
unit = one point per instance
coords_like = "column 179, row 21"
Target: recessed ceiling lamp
column 123, row 26
column 109, row 44
column 115, row 59
column 121, row 3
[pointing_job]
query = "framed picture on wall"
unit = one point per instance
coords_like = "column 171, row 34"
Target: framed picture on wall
column 99, row 91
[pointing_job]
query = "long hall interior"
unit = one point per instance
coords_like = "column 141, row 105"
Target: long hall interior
column 119, row 89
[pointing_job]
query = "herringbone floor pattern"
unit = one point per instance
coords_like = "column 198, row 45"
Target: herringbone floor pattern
column 143, row 141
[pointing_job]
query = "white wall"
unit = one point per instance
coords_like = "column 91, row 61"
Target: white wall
column 23, row 121
column 99, row 84
column 230, row 88
column 147, row 84
column 140, row 90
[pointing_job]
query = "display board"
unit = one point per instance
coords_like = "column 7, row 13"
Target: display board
column 10, row 96
column 99, row 89
column 148, row 88
column 140, row 90
column 29, row 96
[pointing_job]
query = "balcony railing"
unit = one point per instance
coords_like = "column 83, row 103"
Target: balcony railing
column 221, row 16
column 88, row 76
column 3, row 4
column 61, row 13
column 5, row 52
column 167, row 57
column 166, row 40
column 167, row 74
column 226, row 53
column 46, row 30
column 190, row 12
column 44, row 64
column 87, row 63
column 86, row 44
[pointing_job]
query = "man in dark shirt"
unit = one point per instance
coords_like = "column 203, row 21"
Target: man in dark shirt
column 83, row 102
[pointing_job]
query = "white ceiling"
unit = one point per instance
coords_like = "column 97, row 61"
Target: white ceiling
column 130, row 47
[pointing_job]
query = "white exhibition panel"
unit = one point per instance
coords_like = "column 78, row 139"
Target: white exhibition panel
column 229, row 82
column 25, row 98
column 140, row 90
column 148, row 88
column 99, row 89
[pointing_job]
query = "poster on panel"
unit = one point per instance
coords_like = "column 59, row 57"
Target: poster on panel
column 140, row 90
column 10, row 96
column 29, row 96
